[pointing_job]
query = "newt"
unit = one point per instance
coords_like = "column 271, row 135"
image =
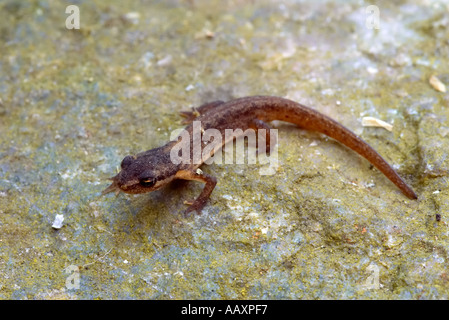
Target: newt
column 153, row 169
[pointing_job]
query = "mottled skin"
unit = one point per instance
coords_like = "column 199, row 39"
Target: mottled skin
column 152, row 169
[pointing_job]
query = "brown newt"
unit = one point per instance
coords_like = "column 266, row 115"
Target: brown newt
column 152, row 169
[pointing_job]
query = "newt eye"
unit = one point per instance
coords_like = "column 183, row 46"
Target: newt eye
column 147, row 182
column 126, row 161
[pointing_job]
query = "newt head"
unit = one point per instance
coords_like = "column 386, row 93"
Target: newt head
column 143, row 173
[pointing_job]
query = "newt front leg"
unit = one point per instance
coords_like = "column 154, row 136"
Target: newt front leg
column 198, row 175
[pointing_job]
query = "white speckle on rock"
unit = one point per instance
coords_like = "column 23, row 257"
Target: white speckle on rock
column 57, row 223
column 132, row 17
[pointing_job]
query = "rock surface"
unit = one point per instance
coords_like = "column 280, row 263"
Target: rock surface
column 326, row 225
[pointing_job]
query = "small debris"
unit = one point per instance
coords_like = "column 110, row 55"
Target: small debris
column 372, row 70
column 437, row 84
column 374, row 122
column 209, row 34
column 401, row 93
column 164, row 61
column 205, row 33
column 438, row 217
column 57, row 224
column 132, row 17
column 97, row 260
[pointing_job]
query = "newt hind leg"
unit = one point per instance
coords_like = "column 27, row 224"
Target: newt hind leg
column 189, row 116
